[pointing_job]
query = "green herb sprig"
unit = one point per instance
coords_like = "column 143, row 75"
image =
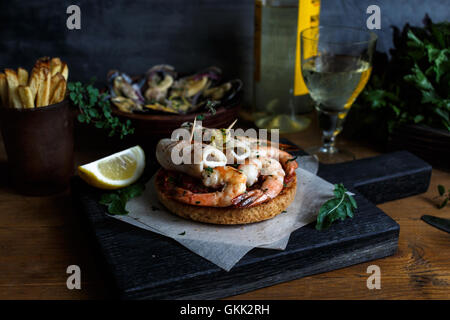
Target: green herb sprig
column 445, row 197
column 343, row 205
column 116, row 201
column 95, row 108
column 211, row 106
column 209, row 170
column 409, row 88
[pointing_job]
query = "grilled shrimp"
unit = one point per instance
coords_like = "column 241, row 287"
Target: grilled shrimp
column 287, row 161
column 232, row 180
column 262, row 148
column 251, row 168
column 273, row 179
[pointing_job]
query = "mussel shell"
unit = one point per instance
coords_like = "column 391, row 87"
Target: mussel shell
column 213, row 73
column 159, row 107
column 229, row 95
column 124, row 104
column 123, row 87
column 121, row 84
column 187, row 91
column 218, row 92
column 161, row 70
column 236, row 88
column 195, row 86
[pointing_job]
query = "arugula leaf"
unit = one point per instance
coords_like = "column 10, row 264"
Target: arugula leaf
column 340, row 207
column 441, row 191
column 116, row 201
column 443, row 204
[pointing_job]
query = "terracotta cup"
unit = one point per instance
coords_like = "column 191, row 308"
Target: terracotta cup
column 39, row 146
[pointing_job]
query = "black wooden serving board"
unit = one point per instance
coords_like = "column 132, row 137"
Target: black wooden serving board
column 145, row 265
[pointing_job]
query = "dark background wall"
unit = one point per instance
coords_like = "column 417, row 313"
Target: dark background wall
column 189, row 34
column 393, row 13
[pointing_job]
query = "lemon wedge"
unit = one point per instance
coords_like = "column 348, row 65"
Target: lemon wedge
column 115, row 171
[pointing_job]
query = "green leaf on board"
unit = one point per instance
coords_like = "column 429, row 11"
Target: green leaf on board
column 116, row 200
column 340, row 207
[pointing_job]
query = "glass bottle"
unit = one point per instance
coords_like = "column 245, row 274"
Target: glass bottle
column 280, row 96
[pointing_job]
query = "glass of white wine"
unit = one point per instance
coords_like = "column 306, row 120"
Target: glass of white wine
column 336, row 65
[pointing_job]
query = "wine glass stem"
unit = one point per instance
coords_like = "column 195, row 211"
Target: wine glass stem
column 328, row 143
column 331, row 125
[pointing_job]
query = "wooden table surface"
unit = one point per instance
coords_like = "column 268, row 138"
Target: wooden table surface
column 41, row 236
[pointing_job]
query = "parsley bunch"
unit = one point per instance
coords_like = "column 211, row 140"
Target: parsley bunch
column 340, row 207
column 410, row 88
column 95, row 108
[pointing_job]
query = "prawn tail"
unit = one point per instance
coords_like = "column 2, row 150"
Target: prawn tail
column 262, row 198
column 290, row 168
column 288, row 178
column 247, row 199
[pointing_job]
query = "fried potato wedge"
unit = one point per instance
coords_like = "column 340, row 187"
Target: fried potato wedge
column 65, row 71
column 43, row 93
column 55, row 65
column 33, row 81
column 59, row 92
column 45, row 84
column 26, row 96
column 13, row 84
column 3, row 90
column 55, row 80
column 43, row 62
column 22, row 74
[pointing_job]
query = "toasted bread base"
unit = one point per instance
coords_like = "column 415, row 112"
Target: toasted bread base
column 230, row 215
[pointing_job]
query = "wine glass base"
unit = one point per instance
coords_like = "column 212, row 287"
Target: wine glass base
column 331, row 155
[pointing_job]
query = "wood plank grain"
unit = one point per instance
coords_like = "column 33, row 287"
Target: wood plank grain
column 419, row 270
column 402, row 276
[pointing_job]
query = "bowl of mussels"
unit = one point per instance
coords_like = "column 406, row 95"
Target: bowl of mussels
column 159, row 101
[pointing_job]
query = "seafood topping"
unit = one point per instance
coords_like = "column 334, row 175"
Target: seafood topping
column 216, row 179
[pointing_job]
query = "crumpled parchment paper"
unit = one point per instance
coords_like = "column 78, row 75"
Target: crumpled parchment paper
column 226, row 245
